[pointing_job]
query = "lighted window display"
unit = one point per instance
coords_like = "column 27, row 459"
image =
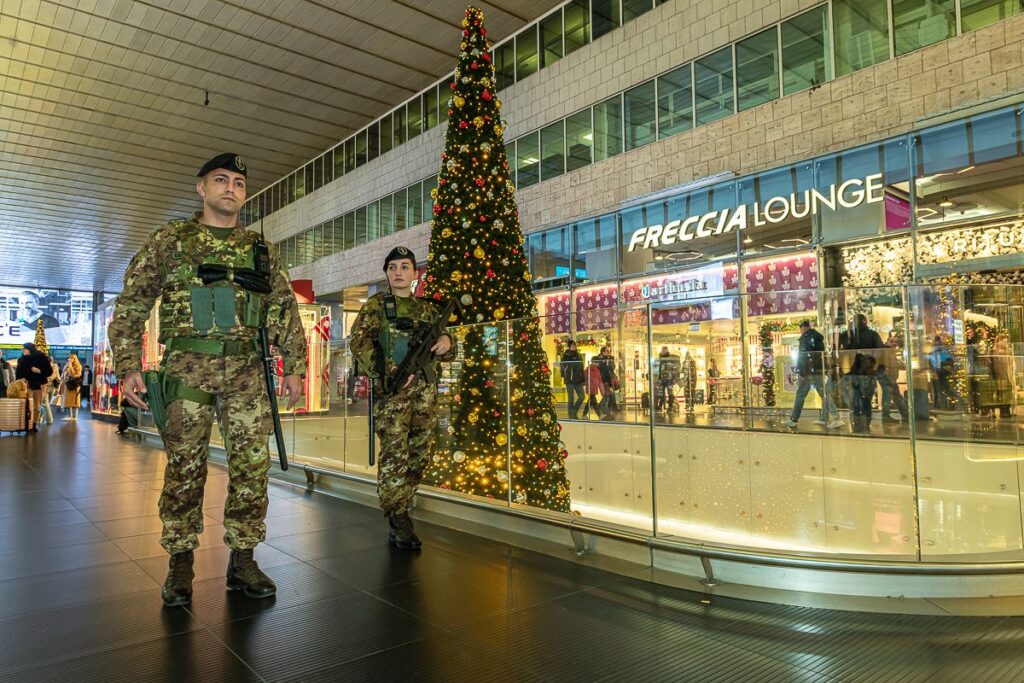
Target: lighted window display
column 889, row 262
column 993, row 246
column 970, row 170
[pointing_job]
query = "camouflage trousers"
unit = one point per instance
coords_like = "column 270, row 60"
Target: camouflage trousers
column 405, row 426
column 245, row 424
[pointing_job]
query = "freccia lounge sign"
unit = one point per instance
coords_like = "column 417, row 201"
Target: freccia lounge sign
column 852, row 193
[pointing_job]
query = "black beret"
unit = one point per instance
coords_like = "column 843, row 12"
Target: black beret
column 398, row 254
column 228, row 160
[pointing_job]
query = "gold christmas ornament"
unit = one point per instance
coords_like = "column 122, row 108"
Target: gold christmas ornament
column 460, row 102
column 499, row 313
column 501, row 439
column 456, row 275
column 478, row 252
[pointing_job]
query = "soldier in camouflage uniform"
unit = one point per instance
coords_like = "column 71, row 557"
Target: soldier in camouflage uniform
column 404, row 422
column 212, row 365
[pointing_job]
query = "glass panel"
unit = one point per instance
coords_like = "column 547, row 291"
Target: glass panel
column 400, row 211
column 329, row 166
column 360, row 148
column 339, row 161
column 972, row 171
column 527, row 160
column 577, row 25
column 372, row 221
column 595, row 257
column 805, row 46
column 864, row 192
column 713, row 83
column 398, row 123
column 552, row 145
column 373, row 142
column 605, row 16
column 387, row 133
column 428, row 201
column 361, row 225
column 551, row 39
column 414, row 117
column 967, row 369
column 579, row 140
column 318, row 172
column 861, row 33
column 308, row 170
column 917, row 24
column 548, row 252
column 299, row 184
column 675, row 102
column 387, row 216
column 526, row 53
column 640, row 116
column 444, row 94
column 350, row 229
column 607, row 128
column 631, row 9
column 505, row 65
column 778, row 205
column 318, row 242
column 350, row 155
column 980, row 13
column 413, row 205
column 757, row 69
column 430, row 109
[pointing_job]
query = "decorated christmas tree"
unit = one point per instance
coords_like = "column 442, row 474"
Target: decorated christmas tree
column 503, row 433
column 40, row 340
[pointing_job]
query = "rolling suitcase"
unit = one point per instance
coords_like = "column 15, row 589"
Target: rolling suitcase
column 15, row 414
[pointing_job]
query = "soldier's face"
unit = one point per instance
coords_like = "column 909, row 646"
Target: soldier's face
column 401, row 274
column 223, row 191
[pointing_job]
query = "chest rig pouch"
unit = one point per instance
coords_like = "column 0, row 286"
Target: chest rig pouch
column 394, row 333
column 224, row 301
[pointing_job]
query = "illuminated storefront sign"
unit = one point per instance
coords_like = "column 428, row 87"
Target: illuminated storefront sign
column 693, row 284
column 849, row 194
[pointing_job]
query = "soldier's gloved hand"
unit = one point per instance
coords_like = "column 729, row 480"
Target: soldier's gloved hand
column 292, row 388
column 134, row 390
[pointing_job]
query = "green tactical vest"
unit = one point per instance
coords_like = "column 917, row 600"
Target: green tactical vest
column 221, row 309
column 398, row 326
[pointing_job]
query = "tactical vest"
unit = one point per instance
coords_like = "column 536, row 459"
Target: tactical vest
column 218, row 309
column 400, row 319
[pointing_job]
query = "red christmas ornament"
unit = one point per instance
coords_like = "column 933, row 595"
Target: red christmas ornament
column 486, row 56
column 545, row 370
column 490, row 273
column 496, row 414
column 530, row 412
column 483, row 218
column 489, row 384
column 437, row 295
column 515, row 251
column 444, row 155
column 446, row 486
column 466, row 254
column 437, row 209
column 474, row 66
column 542, row 464
column 458, row 398
column 487, row 118
column 430, row 278
column 486, row 95
column 494, row 242
column 564, row 453
column 524, row 337
column 463, row 125
column 479, row 182
column 483, row 32
column 453, row 85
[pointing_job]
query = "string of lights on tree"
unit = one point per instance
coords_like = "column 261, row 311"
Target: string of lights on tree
column 949, row 313
column 40, row 341
column 504, row 436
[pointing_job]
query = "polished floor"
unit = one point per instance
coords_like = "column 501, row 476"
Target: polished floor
column 80, row 569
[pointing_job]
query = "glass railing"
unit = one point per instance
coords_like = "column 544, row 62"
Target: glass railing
column 893, row 428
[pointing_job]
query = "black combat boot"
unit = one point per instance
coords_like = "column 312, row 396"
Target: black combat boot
column 177, row 589
column 245, row 575
column 400, row 531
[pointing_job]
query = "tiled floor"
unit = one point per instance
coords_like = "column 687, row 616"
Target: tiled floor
column 80, row 570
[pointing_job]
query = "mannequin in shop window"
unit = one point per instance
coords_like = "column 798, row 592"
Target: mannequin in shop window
column 689, row 381
column 713, row 375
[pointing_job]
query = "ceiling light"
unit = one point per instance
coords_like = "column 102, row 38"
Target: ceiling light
column 529, row 160
column 588, row 136
column 945, row 203
column 748, row 240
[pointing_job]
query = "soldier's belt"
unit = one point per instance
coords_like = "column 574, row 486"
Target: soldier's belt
column 213, row 347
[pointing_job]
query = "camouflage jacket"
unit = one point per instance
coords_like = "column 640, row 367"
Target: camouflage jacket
column 165, row 267
column 368, row 325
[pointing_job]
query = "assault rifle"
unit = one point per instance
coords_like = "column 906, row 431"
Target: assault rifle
column 419, row 359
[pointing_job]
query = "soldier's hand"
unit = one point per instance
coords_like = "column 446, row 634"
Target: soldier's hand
column 408, row 382
column 135, row 390
column 292, row 388
column 443, row 345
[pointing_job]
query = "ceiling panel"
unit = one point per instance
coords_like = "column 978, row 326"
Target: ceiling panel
column 103, row 122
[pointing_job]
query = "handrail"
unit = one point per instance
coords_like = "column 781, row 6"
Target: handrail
column 703, row 551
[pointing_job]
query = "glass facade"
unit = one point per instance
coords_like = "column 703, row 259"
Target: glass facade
column 675, row 102
column 608, row 128
column 806, row 51
column 861, row 29
column 641, row 114
column 712, row 77
column 757, row 69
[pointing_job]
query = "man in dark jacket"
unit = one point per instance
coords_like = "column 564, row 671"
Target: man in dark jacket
column 606, row 362
column 34, row 367
column 572, row 373
column 810, row 365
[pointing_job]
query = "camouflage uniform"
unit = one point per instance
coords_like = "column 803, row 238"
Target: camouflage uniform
column 405, row 422
column 166, row 267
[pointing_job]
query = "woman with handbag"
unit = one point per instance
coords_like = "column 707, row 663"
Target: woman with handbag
column 72, row 385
